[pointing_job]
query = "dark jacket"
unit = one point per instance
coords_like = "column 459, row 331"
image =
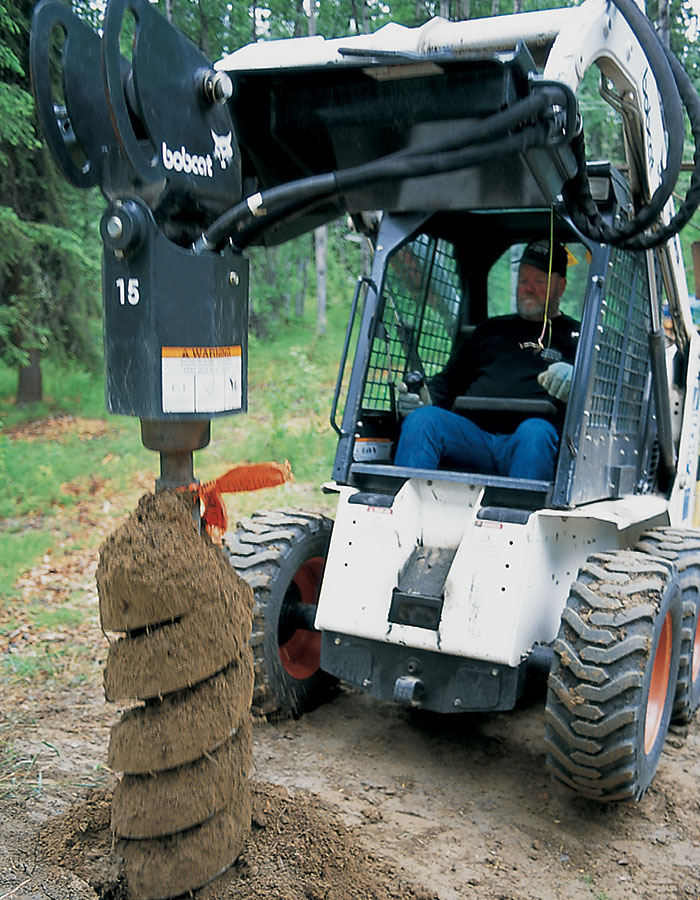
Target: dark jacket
column 492, row 362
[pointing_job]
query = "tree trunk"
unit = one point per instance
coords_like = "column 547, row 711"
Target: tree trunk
column 464, row 10
column 517, row 6
column 320, row 234
column 365, row 17
column 664, row 23
column 321, row 247
column 203, row 31
column 301, row 289
column 495, row 7
column 29, row 387
column 360, row 16
column 299, row 19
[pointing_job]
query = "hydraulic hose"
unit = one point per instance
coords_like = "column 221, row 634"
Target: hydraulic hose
column 507, row 131
column 691, row 101
column 261, row 210
column 393, row 168
column 287, row 196
column 673, row 85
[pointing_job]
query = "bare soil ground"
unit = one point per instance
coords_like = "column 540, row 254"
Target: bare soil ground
column 358, row 800
column 373, row 801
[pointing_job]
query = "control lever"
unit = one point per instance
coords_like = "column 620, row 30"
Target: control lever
column 414, row 381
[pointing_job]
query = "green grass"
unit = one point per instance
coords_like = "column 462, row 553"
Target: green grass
column 64, row 616
column 29, row 666
column 68, row 662
column 289, row 402
column 42, row 476
column 47, row 618
column 596, row 892
column 46, row 474
column 68, row 390
column 19, row 550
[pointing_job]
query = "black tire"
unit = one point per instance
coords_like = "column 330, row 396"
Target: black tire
column 281, row 554
column 613, row 677
column 681, row 546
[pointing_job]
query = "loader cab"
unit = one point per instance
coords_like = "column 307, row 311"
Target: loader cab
column 435, row 278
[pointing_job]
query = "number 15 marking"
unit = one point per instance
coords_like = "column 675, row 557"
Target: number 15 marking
column 128, row 291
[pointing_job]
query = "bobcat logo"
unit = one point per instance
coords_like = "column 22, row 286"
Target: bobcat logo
column 222, row 148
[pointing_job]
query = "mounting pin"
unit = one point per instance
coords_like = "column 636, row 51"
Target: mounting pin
column 115, row 227
column 217, row 86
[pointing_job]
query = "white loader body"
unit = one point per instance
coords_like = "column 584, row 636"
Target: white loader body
column 507, row 585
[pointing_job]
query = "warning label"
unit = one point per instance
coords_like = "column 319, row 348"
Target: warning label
column 201, row 379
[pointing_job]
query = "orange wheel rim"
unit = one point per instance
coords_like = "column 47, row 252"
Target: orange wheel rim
column 658, row 687
column 301, row 654
column 695, row 657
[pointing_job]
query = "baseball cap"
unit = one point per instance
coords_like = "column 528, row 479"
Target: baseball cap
column 537, row 254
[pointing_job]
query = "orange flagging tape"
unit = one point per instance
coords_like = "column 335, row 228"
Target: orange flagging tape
column 243, row 477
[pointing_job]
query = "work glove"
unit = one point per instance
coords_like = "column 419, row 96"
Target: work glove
column 407, row 402
column 556, row 380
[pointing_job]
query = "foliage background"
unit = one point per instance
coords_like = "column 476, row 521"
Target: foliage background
column 49, row 258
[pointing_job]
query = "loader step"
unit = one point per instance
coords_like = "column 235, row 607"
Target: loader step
column 417, row 599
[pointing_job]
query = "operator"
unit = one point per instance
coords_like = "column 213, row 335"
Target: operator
column 506, row 356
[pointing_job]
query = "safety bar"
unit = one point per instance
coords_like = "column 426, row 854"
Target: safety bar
column 363, row 279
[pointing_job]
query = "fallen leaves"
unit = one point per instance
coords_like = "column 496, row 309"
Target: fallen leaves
column 78, row 487
column 53, row 427
column 50, row 626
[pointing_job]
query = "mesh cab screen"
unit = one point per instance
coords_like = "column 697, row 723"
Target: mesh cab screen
column 612, row 455
column 619, row 390
column 421, row 296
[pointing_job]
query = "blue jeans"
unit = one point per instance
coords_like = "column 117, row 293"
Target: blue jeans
column 432, row 437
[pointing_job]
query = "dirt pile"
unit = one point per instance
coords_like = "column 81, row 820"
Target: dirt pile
column 297, row 850
column 182, row 809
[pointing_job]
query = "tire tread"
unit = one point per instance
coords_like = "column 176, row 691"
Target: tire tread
column 596, row 682
column 259, row 549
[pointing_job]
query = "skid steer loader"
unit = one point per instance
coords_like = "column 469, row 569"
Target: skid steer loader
column 440, row 589
column 443, row 589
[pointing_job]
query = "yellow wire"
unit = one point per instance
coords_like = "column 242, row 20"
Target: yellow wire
column 549, row 283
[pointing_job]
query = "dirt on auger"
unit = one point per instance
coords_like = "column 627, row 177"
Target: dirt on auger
column 182, row 810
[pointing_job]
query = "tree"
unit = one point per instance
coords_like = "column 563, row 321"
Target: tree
column 321, row 253
column 49, row 269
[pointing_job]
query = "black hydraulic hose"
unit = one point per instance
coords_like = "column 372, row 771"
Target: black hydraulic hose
column 528, row 109
column 303, row 191
column 259, row 211
column 391, row 168
column 691, row 101
column 491, row 135
column 579, row 202
column 577, row 197
column 672, row 109
column 426, row 163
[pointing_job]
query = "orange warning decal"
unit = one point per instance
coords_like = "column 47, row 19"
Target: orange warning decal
column 199, row 352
